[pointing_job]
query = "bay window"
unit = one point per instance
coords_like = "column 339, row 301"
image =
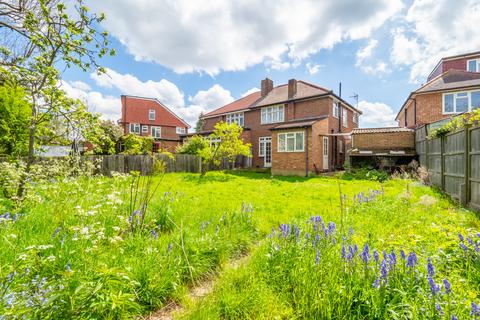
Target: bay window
column 272, row 114
column 291, row 142
column 236, row 117
column 458, row 102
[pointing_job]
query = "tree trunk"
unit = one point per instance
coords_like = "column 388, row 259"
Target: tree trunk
column 31, row 151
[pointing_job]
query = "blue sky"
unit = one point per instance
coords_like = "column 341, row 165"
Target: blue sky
column 197, row 56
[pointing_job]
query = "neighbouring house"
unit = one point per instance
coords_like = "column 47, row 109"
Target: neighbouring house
column 453, row 87
column 296, row 128
column 150, row 117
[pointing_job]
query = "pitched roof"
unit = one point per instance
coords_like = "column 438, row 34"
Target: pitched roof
column 166, row 117
column 279, row 94
column 454, row 57
column 451, row 79
column 300, row 123
column 381, row 130
column 237, row 105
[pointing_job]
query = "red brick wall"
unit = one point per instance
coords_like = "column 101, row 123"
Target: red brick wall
column 290, row 163
column 382, row 141
column 429, row 108
column 457, row 64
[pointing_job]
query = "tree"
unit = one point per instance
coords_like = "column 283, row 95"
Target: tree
column 200, row 123
column 134, row 144
column 104, row 137
column 39, row 36
column 14, row 120
column 224, row 143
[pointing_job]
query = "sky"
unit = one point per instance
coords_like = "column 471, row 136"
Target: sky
column 196, row 56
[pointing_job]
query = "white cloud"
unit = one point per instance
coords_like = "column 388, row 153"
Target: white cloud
column 376, row 114
column 212, row 98
column 108, row 106
column 313, row 68
column 366, row 62
column 435, row 28
column 249, row 91
column 189, row 36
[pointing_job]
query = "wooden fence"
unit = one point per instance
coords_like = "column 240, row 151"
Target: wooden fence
column 453, row 162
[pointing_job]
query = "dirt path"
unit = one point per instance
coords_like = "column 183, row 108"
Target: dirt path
column 197, row 292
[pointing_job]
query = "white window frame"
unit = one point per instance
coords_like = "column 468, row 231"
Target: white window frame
column 355, row 117
column 134, row 128
column 180, row 130
column 335, row 109
column 144, row 129
column 344, row 117
column 151, row 114
column 477, row 65
column 155, row 130
column 276, row 114
column 261, row 145
column 237, row 117
column 287, row 135
column 455, row 93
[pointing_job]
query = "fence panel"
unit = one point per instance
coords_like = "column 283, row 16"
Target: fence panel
column 474, row 178
column 434, row 161
column 454, row 157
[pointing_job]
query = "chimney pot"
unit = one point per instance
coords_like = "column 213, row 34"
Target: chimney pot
column 266, row 86
column 292, row 88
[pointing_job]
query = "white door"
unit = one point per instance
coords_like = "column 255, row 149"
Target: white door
column 325, row 154
column 268, row 153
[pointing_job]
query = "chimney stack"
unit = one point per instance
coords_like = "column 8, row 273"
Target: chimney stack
column 292, row 88
column 266, row 86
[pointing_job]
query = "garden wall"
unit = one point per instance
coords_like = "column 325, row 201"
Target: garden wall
column 453, row 162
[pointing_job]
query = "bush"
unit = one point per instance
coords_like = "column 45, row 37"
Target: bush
column 193, row 145
column 365, row 174
column 134, row 144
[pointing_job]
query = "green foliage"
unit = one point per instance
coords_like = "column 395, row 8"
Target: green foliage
column 193, row 145
column 134, row 144
column 104, row 135
column 200, row 123
column 365, row 174
column 457, row 123
column 15, row 114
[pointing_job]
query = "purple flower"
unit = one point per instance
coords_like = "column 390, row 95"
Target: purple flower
column 434, row 288
column 439, row 309
column 376, row 256
column 430, row 268
column 169, row 248
column 331, row 226
column 383, row 269
column 296, row 230
column 447, row 285
column 402, row 254
column 412, row 260
column 475, row 310
column 463, row 246
column 376, row 283
column 351, row 251
column 317, row 258
column 460, row 237
column 454, row 317
column 392, row 259
column 470, row 242
column 344, row 252
column 366, row 254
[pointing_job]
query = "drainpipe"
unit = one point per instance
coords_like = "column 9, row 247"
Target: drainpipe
column 306, row 152
column 415, row 111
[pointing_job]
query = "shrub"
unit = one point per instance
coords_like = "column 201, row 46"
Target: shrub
column 365, row 174
column 135, row 145
column 457, row 123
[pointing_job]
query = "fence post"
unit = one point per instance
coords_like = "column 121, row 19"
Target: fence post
column 467, row 163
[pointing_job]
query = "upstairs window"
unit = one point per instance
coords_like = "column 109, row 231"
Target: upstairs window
column 134, row 128
column 345, row 117
column 236, row 117
column 335, row 110
column 458, row 102
column 272, row 114
column 180, row 130
column 291, row 142
column 473, row 65
column 355, row 118
column 156, row 132
column 151, row 114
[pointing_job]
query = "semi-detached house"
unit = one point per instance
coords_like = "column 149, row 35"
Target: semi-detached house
column 296, row 128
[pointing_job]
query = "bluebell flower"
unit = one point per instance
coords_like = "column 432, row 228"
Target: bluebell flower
column 296, row 231
column 376, row 256
column 470, row 241
column 392, row 259
column 169, row 248
column 475, row 311
column 351, row 250
column 383, row 269
column 355, row 248
column 430, row 268
column 447, row 285
column 460, row 236
column 366, row 253
column 463, row 246
column 402, row 254
column 454, row 317
column 412, row 260
column 439, row 309
column 376, row 283
column 307, row 235
column 434, row 288
column 331, row 226
column 317, row 257
column 344, row 252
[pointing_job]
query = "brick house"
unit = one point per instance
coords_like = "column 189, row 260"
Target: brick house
column 295, row 128
column 453, row 87
column 150, row 117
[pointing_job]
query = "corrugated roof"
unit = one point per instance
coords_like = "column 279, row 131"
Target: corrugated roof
column 237, row 105
column 280, row 94
column 451, row 79
column 299, row 123
column 381, row 130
